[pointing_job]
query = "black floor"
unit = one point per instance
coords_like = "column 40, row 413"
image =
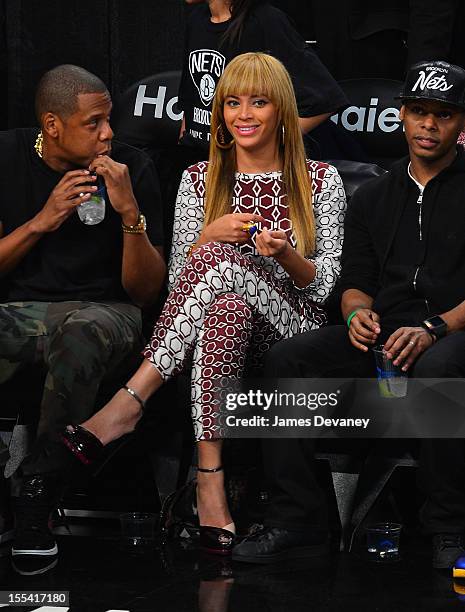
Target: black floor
column 102, row 574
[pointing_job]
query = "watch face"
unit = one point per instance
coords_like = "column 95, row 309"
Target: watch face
column 436, row 326
column 436, row 321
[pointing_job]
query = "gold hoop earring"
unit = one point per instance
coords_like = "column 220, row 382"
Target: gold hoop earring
column 220, row 139
column 283, row 134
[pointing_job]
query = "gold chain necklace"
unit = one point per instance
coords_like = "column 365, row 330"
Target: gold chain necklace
column 39, row 144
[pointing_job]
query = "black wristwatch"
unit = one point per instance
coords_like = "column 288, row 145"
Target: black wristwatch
column 436, row 326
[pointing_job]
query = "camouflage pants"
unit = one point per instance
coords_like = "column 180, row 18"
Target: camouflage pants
column 75, row 343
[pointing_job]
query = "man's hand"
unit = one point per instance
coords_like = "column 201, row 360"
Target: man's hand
column 63, row 201
column 364, row 328
column 272, row 243
column 228, row 228
column 406, row 344
column 119, row 187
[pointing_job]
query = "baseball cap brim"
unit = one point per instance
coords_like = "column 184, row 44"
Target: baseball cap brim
column 432, row 98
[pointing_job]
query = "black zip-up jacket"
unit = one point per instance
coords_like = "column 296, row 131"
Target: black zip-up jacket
column 408, row 277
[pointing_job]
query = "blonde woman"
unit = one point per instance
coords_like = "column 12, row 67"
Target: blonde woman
column 235, row 292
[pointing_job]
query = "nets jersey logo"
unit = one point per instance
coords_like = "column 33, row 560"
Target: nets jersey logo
column 206, row 66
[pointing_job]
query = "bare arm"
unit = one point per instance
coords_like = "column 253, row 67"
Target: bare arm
column 62, row 202
column 309, row 123
column 353, row 299
column 143, row 268
column 301, row 270
column 364, row 325
column 183, row 128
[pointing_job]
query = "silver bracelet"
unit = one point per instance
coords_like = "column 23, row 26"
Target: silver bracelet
column 133, row 394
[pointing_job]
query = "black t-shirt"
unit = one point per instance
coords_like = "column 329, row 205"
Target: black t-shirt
column 77, row 261
column 266, row 29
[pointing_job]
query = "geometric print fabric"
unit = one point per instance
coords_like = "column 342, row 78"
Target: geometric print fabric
column 265, row 194
column 228, row 306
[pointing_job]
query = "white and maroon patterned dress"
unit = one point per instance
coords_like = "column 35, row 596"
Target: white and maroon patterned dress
column 228, row 305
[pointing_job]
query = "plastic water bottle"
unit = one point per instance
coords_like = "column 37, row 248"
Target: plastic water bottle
column 92, row 211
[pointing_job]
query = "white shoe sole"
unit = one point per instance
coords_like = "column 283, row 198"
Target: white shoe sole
column 41, row 552
column 36, row 572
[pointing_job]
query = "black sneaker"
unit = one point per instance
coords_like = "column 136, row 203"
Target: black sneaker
column 273, row 544
column 447, row 547
column 32, row 512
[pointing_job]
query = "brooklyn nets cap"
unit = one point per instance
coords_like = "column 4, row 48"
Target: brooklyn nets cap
column 435, row 80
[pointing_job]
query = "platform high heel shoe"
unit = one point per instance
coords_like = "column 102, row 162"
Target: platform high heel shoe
column 216, row 540
column 82, row 443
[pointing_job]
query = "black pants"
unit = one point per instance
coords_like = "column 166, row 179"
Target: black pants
column 296, row 501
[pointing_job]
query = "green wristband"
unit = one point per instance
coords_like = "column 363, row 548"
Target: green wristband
column 351, row 316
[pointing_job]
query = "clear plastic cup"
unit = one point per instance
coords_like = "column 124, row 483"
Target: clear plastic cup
column 392, row 381
column 138, row 529
column 383, row 542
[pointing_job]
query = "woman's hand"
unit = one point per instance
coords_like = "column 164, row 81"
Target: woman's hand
column 229, row 229
column 272, row 243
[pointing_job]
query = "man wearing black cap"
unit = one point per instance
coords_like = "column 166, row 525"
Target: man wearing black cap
column 403, row 270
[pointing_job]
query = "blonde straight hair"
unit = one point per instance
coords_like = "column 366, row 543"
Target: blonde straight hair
column 261, row 74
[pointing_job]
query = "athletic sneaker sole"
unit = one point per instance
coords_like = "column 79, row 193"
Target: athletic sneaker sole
column 25, row 566
column 44, row 552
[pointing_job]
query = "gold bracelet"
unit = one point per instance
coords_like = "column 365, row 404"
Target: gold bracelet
column 138, row 228
column 190, row 250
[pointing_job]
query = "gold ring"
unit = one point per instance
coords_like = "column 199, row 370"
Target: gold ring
column 249, row 228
